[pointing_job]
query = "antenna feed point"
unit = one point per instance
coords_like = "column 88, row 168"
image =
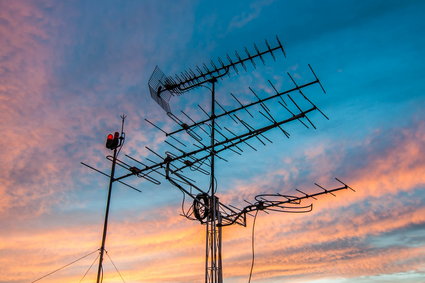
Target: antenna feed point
column 168, row 159
column 260, row 205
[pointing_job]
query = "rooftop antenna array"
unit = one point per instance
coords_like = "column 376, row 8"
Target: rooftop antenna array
column 212, row 138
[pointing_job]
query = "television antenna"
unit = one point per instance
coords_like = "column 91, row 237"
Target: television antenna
column 206, row 206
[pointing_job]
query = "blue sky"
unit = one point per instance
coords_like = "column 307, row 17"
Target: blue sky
column 68, row 70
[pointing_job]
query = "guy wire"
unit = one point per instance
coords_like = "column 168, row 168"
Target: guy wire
column 115, row 266
column 65, row 266
column 84, row 276
column 252, row 246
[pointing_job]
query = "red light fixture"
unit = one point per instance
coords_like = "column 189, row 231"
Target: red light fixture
column 112, row 141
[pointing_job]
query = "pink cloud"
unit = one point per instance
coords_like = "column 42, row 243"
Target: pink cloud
column 47, row 126
column 36, row 172
column 170, row 249
column 25, row 118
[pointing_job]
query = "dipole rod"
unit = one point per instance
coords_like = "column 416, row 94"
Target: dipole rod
column 105, row 225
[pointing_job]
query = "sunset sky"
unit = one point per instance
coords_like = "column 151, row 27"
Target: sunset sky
column 69, row 69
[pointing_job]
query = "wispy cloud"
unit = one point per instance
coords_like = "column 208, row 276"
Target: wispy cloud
column 67, row 70
column 244, row 18
column 28, row 126
column 351, row 235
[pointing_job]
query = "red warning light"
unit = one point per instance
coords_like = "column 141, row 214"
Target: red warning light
column 112, row 141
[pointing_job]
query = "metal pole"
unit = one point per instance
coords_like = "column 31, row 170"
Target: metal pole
column 219, row 231
column 207, row 247
column 215, row 249
column 105, row 225
column 212, row 182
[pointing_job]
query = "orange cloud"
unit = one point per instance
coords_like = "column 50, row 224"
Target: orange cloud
column 42, row 130
column 343, row 237
column 44, row 122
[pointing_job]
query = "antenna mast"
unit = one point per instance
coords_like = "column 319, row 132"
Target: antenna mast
column 114, row 142
column 294, row 105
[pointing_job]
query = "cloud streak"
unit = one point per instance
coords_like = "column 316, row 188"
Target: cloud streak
column 68, row 70
column 167, row 248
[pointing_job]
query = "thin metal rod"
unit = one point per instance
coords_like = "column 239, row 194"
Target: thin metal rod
column 91, row 167
column 105, row 225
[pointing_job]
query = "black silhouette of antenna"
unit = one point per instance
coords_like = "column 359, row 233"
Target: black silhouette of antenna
column 221, row 130
column 163, row 87
column 115, row 142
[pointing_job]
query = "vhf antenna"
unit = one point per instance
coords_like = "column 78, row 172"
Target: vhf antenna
column 235, row 129
column 115, row 143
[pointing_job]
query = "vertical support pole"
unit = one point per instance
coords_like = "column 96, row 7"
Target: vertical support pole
column 213, row 265
column 213, row 262
column 212, row 182
column 207, row 250
column 219, row 241
column 105, row 225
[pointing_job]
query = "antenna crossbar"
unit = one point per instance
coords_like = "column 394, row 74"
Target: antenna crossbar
column 245, row 137
column 106, row 175
column 162, row 87
column 189, row 79
column 186, row 127
column 262, row 203
column 237, row 139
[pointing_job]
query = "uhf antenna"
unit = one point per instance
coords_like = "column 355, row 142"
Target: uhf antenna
column 163, row 87
column 221, row 130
